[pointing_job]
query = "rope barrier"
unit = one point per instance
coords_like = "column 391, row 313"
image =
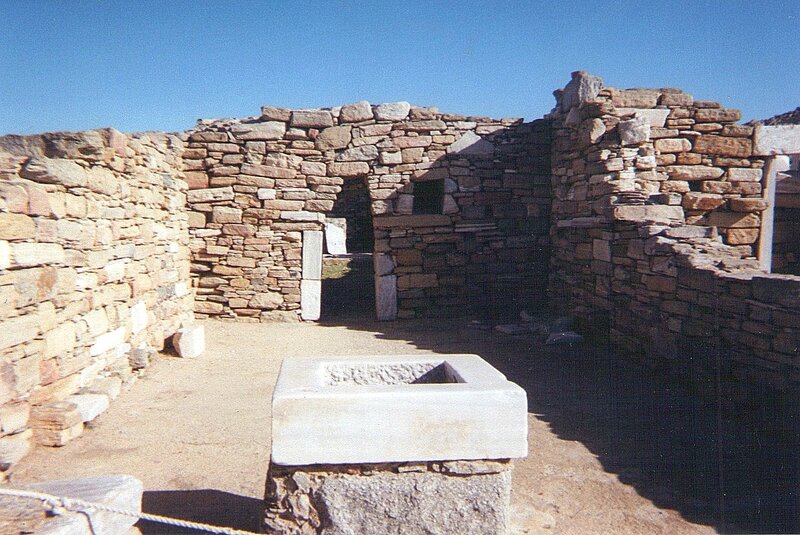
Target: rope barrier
column 58, row 505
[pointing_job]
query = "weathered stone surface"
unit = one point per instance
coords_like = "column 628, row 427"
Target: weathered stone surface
column 36, row 254
column 702, row 201
column 52, row 171
column 18, row 330
column 310, row 299
column 724, row 146
column 356, row 112
column 348, row 169
column 311, row 118
column 13, row 448
column 634, row 132
column 212, row 194
column 386, row 295
column 670, row 145
column 312, row 254
column 335, row 137
column 652, row 214
column 268, row 131
column 471, row 144
column 90, row 406
column 266, row 300
column 190, row 342
column 694, row 172
column 717, row 115
column 271, row 113
column 783, row 139
column 583, row 87
column 392, row 111
column 16, row 227
column 744, row 175
column 365, row 153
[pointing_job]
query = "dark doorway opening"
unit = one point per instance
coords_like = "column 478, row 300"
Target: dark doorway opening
column 348, row 285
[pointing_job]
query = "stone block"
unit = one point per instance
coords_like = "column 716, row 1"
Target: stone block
column 364, row 153
column 36, row 254
column 14, row 417
column 471, row 144
column 392, row 111
column 310, row 299
column 225, row 214
column 311, row 118
column 671, row 145
column 779, row 139
column 108, row 341
column 731, row 220
column 655, row 117
column 266, row 300
column 266, row 131
column 13, row 448
column 209, row 195
column 652, row 214
column 744, row 175
column 16, row 227
column 59, row 341
column 717, row 115
column 634, row 131
column 190, row 342
column 748, row 205
column 312, row 254
column 18, row 330
column 120, row 492
column 741, row 236
column 55, row 171
column 335, row 237
column 108, row 386
column 90, row 406
column 5, row 255
column 724, row 146
column 702, row 201
column 271, row 113
column 386, row 297
column 333, row 410
column 348, row 169
column 356, row 112
column 694, row 172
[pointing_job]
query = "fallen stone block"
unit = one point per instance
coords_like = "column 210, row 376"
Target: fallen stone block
column 25, row 515
column 190, row 342
column 90, row 406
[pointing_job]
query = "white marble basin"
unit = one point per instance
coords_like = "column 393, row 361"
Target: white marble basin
column 395, row 409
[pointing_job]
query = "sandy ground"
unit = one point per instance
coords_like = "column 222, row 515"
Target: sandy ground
column 612, row 449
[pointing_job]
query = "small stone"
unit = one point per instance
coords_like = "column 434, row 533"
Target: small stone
column 271, row 113
column 335, row 137
column 267, row 131
column 53, row 171
column 190, row 342
column 266, row 300
column 582, row 88
column 364, row 153
column 90, row 406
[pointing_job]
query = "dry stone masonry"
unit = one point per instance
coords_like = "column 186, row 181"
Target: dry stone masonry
column 94, row 275
column 257, row 185
column 650, row 216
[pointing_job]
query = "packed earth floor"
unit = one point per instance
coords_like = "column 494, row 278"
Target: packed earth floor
column 614, row 448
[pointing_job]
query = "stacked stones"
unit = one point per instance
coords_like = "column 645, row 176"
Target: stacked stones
column 94, row 274
column 669, row 273
column 257, row 184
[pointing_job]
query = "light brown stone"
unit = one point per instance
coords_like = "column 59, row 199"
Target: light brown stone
column 724, row 146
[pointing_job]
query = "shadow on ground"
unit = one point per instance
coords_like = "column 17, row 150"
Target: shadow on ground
column 207, row 506
column 670, row 440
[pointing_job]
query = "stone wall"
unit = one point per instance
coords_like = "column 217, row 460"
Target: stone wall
column 257, row 184
column 94, row 274
column 656, row 217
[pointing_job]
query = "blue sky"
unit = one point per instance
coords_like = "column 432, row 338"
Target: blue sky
column 160, row 65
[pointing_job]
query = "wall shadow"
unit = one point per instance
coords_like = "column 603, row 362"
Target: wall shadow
column 675, row 443
column 208, row 506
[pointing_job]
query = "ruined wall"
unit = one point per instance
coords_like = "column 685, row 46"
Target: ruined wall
column 656, row 217
column 257, row 184
column 94, row 274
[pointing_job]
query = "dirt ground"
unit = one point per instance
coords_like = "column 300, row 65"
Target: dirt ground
column 613, row 449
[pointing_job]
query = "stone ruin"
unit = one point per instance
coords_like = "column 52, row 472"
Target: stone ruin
column 651, row 217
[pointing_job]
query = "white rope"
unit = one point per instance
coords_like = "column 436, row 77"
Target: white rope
column 58, row 505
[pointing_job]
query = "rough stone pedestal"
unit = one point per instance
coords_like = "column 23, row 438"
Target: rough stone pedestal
column 366, row 445
column 427, row 498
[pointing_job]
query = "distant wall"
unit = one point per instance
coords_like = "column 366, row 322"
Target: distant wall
column 94, row 271
column 257, row 184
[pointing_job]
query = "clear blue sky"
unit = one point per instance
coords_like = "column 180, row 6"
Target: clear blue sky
column 160, row 65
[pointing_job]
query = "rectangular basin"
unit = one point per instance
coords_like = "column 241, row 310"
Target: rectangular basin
column 395, row 409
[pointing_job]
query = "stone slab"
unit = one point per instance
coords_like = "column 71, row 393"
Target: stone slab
column 782, row 139
column 90, row 406
column 310, row 299
column 483, row 416
column 335, row 237
column 312, row 255
column 385, row 294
